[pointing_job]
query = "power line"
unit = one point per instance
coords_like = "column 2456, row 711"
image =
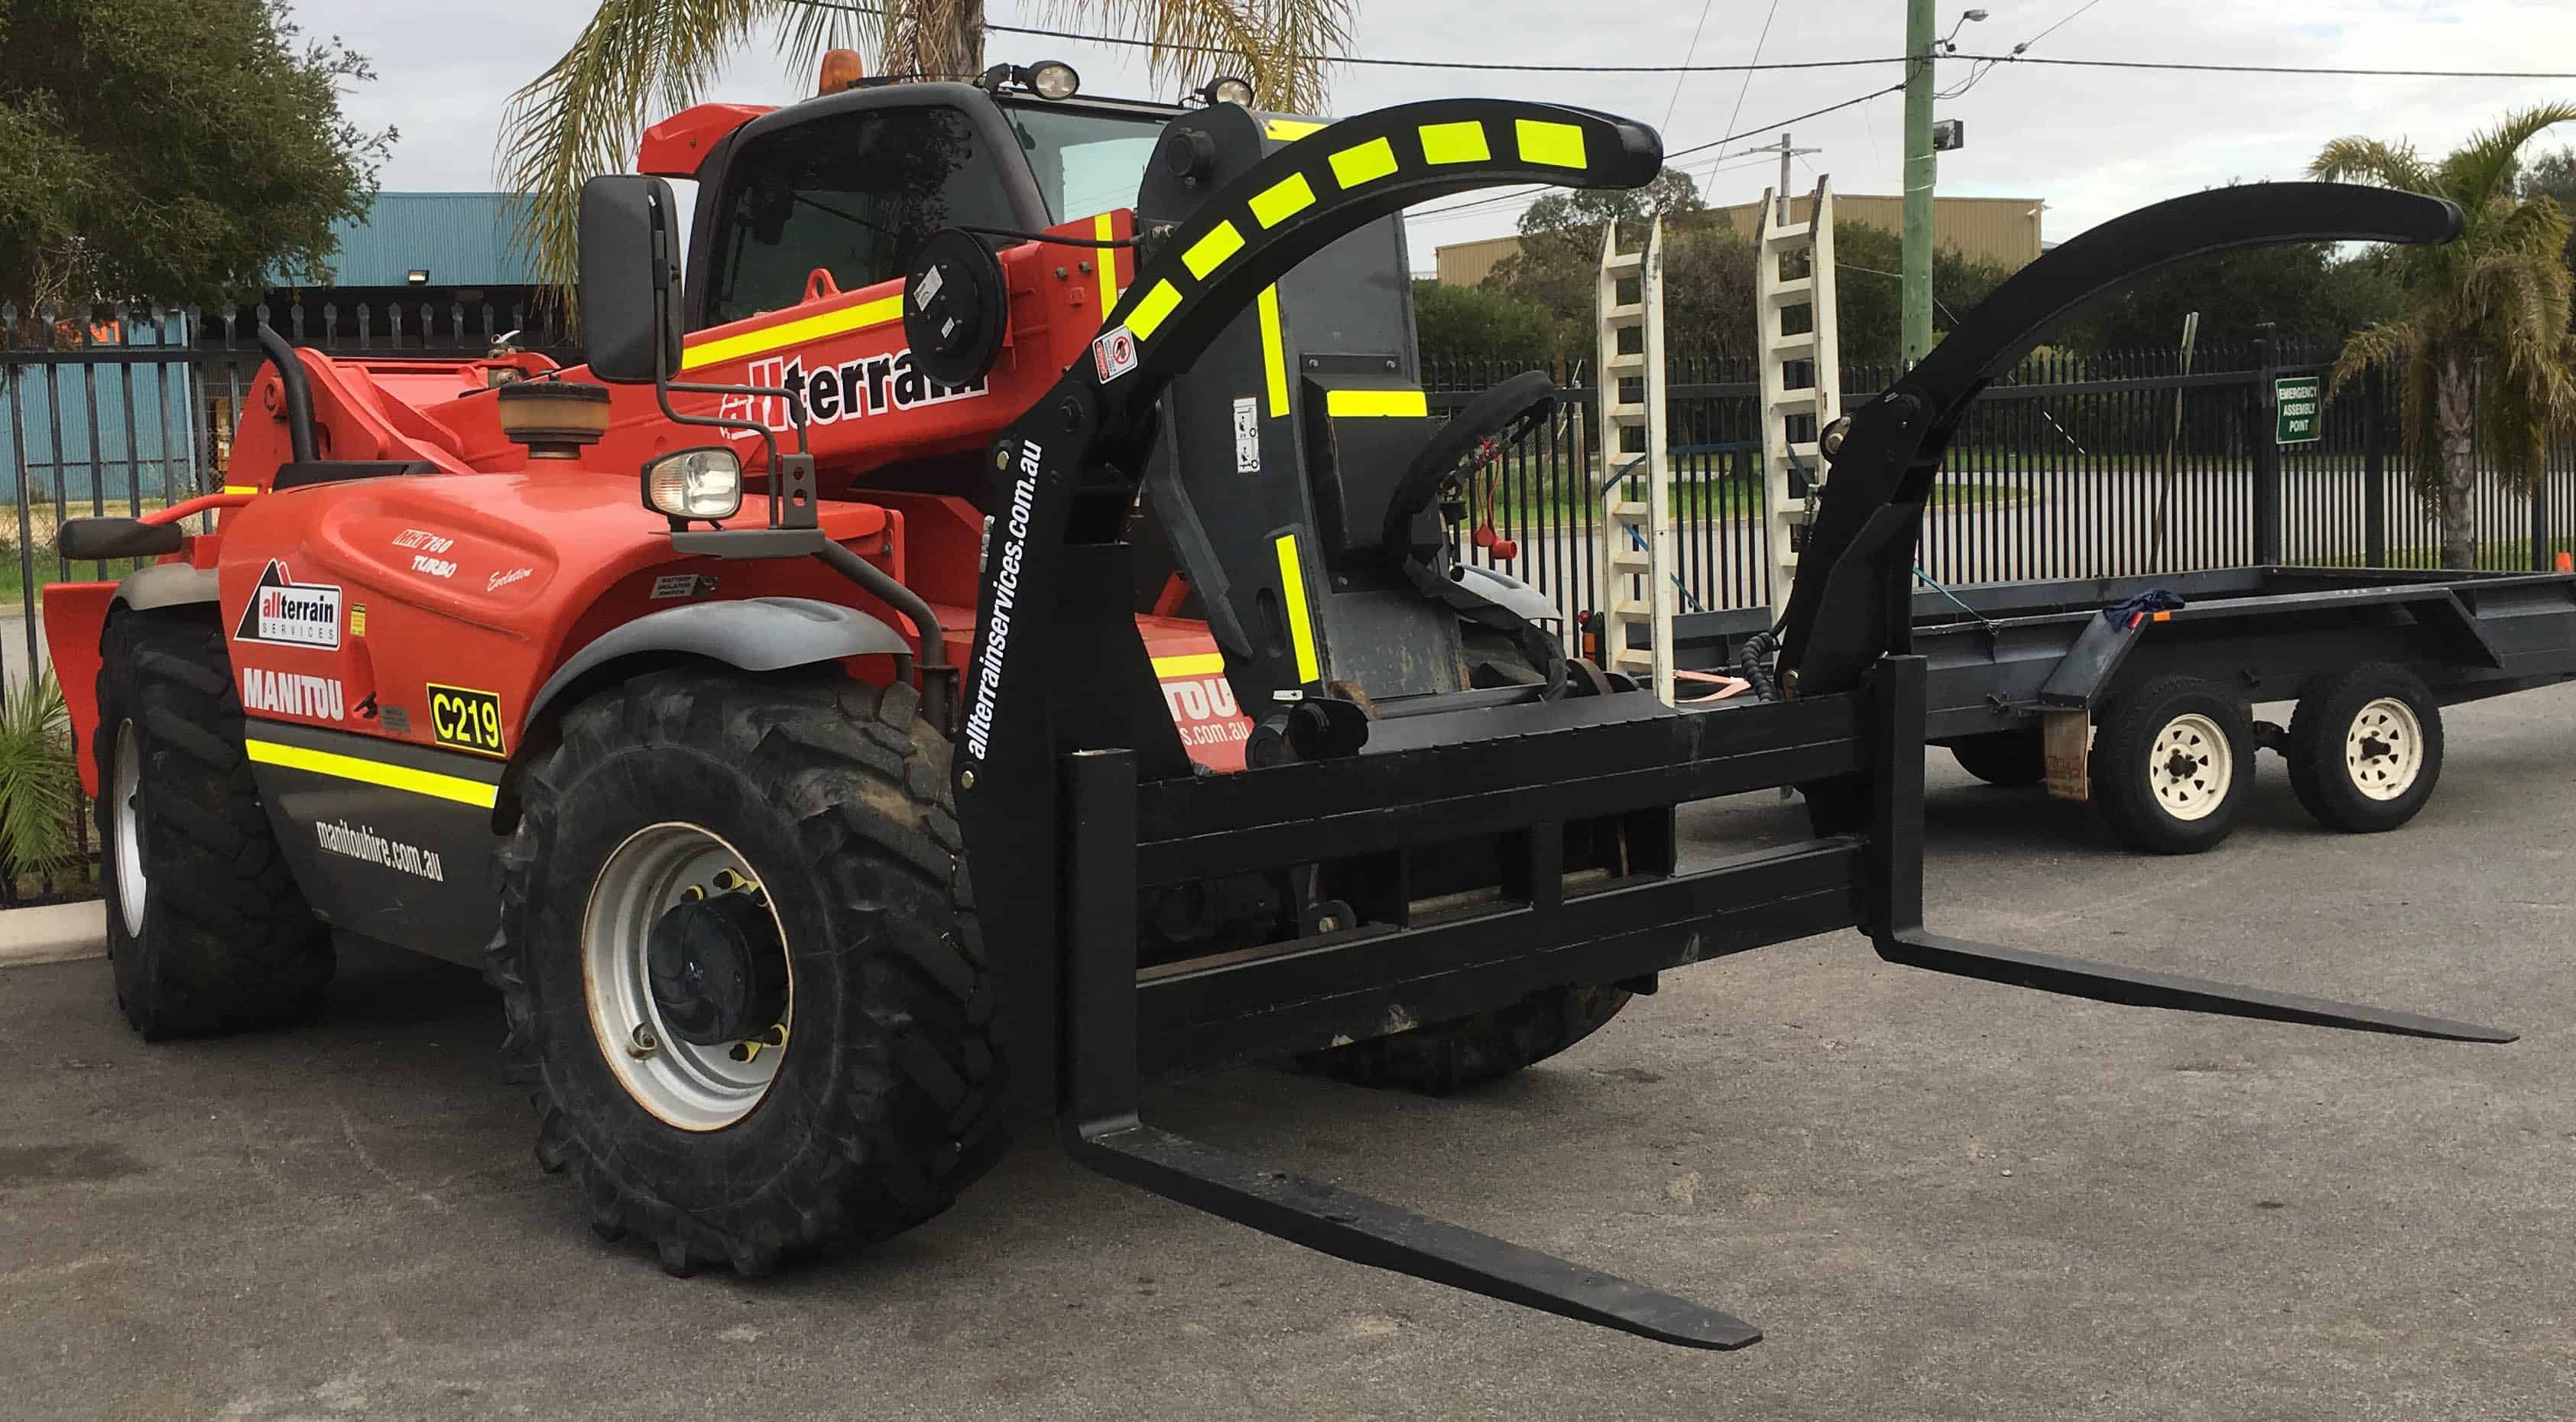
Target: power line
column 1747, row 86
column 1133, row 43
column 2061, row 24
column 2272, row 68
column 1485, row 203
column 1693, row 53
column 1785, row 64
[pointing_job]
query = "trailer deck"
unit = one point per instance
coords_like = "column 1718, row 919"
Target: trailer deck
column 2007, row 660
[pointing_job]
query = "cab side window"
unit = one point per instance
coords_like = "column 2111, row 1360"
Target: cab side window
column 854, row 194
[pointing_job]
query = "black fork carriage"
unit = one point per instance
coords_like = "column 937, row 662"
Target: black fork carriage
column 1078, row 804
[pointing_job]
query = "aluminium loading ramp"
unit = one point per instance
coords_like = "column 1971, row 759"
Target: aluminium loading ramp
column 1636, row 527
column 1792, row 473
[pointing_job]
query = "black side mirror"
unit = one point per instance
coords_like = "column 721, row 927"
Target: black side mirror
column 630, row 279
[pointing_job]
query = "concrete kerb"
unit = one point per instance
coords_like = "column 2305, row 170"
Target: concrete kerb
column 53, row 933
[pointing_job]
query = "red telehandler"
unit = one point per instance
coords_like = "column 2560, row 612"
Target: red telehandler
column 992, row 636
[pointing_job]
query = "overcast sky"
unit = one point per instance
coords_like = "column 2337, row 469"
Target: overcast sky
column 2089, row 143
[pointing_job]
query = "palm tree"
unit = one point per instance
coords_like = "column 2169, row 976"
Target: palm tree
column 585, row 113
column 2483, row 347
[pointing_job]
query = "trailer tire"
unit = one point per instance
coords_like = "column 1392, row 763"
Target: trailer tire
column 1441, row 1057
column 206, row 928
column 886, row 1096
column 2365, row 748
column 2171, row 764
column 2012, row 759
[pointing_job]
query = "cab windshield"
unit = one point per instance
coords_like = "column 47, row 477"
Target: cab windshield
column 1086, row 160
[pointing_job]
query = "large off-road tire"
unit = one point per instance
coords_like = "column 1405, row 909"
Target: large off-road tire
column 818, row 810
column 2012, row 759
column 206, row 928
column 2365, row 748
column 2171, row 764
column 1442, row 1057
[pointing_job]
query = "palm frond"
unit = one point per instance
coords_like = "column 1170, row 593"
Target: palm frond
column 934, row 39
column 584, row 114
column 2367, row 160
column 812, row 29
column 39, row 784
column 1280, row 45
column 2389, row 345
column 2482, row 170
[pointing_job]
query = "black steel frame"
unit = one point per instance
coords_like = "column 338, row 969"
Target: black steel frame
column 1074, row 798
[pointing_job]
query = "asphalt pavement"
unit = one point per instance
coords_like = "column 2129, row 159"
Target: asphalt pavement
column 1942, row 1199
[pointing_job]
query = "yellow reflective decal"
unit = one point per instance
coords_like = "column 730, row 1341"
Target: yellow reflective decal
column 794, row 333
column 1292, row 588
column 1455, row 143
column 1195, row 664
column 1283, row 200
column 1361, row 404
column 1274, row 358
column 241, row 488
column 1151, row 309
column 374, row 772
column 1366, row 163
column 1290, row 130
column 1107, row 231
column 1558, row 145
column 1208, row 253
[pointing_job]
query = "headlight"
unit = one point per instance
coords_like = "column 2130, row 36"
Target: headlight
column 1228, row 89
column 694, row 483
column 1053, row 79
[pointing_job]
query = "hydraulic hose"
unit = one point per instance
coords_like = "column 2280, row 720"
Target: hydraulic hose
column 934, row 641
column 299, row 393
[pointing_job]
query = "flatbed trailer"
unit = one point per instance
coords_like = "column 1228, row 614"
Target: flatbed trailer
column 2149, row 713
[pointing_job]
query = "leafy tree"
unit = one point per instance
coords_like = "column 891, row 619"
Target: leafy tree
column 1557, row 268
column 2482, row 344
column 2554, row 175
column 1868, row 305
column 1472, row 323
column 586, row 112
column 1709, row 273
column 153, row 152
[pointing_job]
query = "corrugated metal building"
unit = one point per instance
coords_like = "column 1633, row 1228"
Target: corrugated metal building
column 446, row 252
column 2004, row 231
column 458, row 239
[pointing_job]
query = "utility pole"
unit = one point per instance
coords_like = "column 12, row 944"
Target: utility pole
column 1780, row 194
column 1922, row 169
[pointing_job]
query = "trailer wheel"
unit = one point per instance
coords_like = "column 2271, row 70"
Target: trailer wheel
column 1442, row 1057
column 206, row 928
column 740, row 961
column 2171, row 763
column 2365, row 748
column 2012, row 759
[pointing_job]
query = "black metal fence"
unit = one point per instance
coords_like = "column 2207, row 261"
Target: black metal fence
column 2074, row 466
column 125, row 409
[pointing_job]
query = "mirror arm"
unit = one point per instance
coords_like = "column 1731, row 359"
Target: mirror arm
column 663, row 385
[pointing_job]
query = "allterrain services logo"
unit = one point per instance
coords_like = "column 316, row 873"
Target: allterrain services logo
column 287, row 613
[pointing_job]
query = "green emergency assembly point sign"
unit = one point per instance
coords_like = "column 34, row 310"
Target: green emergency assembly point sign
column 2296, row 400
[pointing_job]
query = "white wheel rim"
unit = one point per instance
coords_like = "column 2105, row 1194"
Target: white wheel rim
column 687, row 1085
column 126, row 802
column 2383, row 749
column 2191, row 767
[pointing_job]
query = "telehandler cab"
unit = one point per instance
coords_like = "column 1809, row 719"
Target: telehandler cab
column 1038, row 487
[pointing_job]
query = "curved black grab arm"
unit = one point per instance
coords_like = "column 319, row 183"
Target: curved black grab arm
column 1068, row 469
column 1854, row 592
